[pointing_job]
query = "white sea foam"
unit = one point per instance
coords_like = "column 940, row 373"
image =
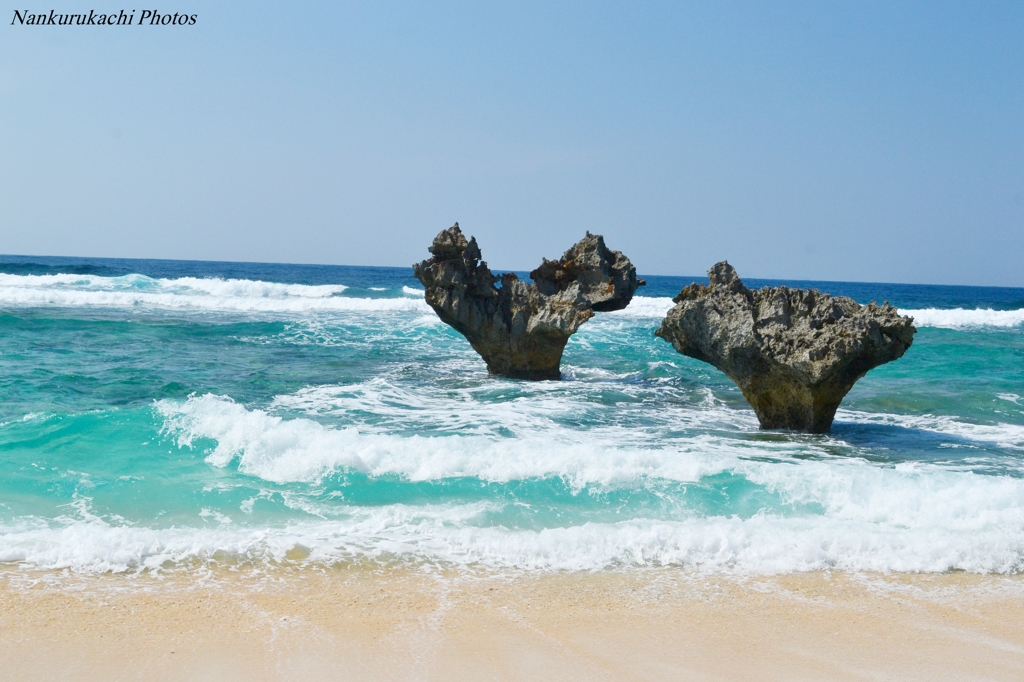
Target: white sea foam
column 845, row 513
column 508, row 440
column 239, row 295
column 137, row 292
column 1002, row 434
column 243, row 288
column 291, row 450
column 643, row 307
column 533, row 410
column 985, row 539
column 960, row 318
column 903, row 517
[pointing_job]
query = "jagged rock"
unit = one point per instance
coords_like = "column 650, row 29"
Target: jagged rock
column 521, row 329
column 793, row 352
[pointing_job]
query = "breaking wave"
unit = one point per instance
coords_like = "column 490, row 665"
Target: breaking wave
column 762, row 544
column 955, row 318
column 838, row 512
column 138, row 292
column 300, row 449
column 135, row 292
column 959, row 318
column 411, row 453
column 908, row 519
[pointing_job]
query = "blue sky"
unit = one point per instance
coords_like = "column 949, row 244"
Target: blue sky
column 841, row 141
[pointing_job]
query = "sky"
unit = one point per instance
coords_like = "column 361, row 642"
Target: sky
column 857, row 141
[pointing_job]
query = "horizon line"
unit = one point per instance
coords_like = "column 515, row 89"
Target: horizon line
column 401, row 267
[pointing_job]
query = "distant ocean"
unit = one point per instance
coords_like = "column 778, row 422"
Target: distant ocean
column 157, row 415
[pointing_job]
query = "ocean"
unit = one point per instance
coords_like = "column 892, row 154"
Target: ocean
column 165, row 415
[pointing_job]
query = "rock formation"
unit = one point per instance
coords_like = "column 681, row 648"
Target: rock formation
column 521, row 329
column 793, row 352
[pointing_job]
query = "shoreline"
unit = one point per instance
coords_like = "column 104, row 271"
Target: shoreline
column 429, row 623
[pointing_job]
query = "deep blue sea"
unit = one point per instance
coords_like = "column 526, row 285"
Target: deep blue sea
column 163, row 414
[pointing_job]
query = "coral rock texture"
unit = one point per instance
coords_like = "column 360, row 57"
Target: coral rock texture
column 793, row 352
column 521, row 329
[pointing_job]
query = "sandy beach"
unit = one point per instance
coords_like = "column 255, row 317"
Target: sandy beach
column 414, row 623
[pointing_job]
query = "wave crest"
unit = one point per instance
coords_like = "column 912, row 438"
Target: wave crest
column 135, row 292
column 449, row 533
column 960, row 318
column 138, row 292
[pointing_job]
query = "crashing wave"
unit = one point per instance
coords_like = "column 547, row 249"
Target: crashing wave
column 135, row 292
column 960, row 318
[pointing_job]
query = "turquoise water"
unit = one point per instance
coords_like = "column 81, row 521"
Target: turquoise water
column 157, row 413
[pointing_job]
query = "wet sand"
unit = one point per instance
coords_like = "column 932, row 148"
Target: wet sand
column 425, row 624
